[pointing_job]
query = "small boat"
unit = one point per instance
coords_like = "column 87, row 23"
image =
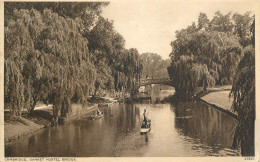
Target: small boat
column 145, row 128
column 95, row 116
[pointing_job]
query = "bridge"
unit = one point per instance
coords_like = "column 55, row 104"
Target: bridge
column 165, row 81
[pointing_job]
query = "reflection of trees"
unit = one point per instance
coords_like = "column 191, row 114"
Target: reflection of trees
column 31, row 142
column 156, row 95
column 127, row 117
column 208, row 125
column 72, row 133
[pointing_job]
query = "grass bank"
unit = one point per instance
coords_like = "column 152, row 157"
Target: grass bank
column 15, row 127
column 218, row 97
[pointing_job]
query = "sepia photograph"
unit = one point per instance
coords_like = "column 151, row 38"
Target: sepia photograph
column 129, row 79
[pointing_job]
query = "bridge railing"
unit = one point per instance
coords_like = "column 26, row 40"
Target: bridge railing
column 154, row 81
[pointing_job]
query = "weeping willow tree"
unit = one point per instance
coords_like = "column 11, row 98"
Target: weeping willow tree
column 115, row 64
column 59, row 52
column 132, row 69
column 214, row 47
column 243, row 91
column 48, row 61
column 20, row 57
column 187, row 76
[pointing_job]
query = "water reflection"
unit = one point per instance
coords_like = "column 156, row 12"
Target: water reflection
column 205, row 125
column 187, row 129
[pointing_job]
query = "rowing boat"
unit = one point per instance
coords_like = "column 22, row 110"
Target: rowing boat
column 95, row 116
column 145, row 128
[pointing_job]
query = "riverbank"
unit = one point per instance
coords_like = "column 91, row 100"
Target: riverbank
column 218, row 97
column 15, row 127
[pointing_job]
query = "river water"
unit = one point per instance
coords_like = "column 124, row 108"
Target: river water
column 186, row 129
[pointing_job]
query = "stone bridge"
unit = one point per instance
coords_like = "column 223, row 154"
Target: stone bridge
column 165, row 81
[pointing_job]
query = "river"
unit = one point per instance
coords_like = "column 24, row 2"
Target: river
column 188, row 129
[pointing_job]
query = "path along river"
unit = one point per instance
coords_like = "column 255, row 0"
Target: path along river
column 188, row 129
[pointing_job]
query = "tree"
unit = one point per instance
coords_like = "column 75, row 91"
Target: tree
column 87, row 13
column 200, row 74
column 187, row 76
column 100, row 37
column 154, row 66
column 203, row 21
column 214, row 50
column 104, row 80
column 65, row 51
column 221, row 23
column 53, row 61
column 132, row 69
column 242, row 24
column 243, row 91
column 107, row 47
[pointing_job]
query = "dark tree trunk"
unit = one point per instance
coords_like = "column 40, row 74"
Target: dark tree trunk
column 204, row 85
column 32, row 106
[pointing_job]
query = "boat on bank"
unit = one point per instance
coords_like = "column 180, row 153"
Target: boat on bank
column 96, row 116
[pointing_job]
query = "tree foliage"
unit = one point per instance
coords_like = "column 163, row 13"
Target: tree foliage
column 59, row 52
column 154, row 66
column 85, row 12
column 243, row 91
column 214, row 46
column 52, row 57
column 107, row 48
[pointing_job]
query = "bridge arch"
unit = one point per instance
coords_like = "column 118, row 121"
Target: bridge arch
column 163, row 81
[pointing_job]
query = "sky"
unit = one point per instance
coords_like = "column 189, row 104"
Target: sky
column 149, row 26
